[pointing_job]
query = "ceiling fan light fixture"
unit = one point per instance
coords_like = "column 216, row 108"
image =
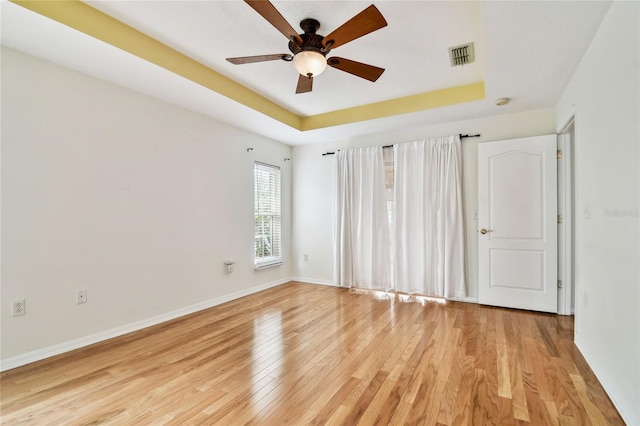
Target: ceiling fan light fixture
column 309, row 50
column 309, row 62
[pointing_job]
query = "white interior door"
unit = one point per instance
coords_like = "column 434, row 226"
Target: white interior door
column 517, row 223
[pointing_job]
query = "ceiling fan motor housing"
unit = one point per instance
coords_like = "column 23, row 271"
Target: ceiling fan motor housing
column 310, row 40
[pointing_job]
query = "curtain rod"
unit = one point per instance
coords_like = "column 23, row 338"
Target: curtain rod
column 391, row 146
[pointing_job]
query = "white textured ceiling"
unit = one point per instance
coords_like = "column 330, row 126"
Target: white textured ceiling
column 526, row 51
column 212, row 31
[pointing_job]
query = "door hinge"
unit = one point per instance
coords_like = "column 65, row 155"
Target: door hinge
column 559, row 153
column 559, row 218
column 559, row 283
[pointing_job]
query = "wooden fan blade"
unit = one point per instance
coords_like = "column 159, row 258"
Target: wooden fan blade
column 259, row 58
column 271, row 14
column 305, row 84
column 368, row 72
column 365, row 22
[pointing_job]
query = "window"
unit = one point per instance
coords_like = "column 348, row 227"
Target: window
column 267, row 228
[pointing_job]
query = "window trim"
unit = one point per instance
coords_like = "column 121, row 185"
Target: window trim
column 272, row 260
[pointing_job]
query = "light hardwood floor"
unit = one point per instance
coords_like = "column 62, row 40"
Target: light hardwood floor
column 301, row 353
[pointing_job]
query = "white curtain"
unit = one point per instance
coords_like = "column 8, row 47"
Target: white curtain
column 362, row 243
column 429, row 235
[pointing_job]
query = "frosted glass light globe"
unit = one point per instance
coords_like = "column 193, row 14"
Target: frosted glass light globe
column 309, row 62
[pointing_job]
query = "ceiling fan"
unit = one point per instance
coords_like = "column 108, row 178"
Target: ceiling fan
column 309, row 50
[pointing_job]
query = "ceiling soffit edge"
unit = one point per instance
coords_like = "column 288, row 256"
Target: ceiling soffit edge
column 405, row 105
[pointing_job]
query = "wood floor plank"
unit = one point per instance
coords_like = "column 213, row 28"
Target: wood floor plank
column 463, row 408
column 505, row 407
column 305, row 354
column 504, row 377
column 520, row 406
column 491, row 407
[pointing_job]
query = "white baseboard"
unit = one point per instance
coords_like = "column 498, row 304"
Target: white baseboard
column 609, row 385
column 40, row 354
column 464, row 299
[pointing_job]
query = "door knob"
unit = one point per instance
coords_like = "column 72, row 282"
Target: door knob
column 484, row 231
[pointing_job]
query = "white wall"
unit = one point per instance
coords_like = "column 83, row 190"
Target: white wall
column 604, row 95
column 312, row 230
column 137, row 201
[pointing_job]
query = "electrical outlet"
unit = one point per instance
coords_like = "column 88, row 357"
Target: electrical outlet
column 18, row 308
column 81, row 297
column 306, row 257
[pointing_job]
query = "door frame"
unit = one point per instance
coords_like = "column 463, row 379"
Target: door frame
column 566, row 229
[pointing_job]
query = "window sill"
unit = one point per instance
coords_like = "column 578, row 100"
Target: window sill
column 266, row 265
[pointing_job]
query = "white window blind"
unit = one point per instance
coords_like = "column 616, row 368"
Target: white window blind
column 268, row 232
